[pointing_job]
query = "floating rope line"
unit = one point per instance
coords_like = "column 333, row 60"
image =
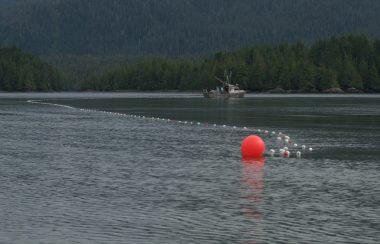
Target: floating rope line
column 51, row 104
column 285, row 146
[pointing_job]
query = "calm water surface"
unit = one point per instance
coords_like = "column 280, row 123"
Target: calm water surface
column 70, row 175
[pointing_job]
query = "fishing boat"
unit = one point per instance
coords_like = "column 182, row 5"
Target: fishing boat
column 227, row 90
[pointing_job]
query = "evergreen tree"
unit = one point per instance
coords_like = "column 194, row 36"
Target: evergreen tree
column 372, row 80
column 23, row 72
column 326, row 78
column 349, row 75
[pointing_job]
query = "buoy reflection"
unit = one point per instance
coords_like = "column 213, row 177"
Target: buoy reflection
column 251, row 195
column 253, row 185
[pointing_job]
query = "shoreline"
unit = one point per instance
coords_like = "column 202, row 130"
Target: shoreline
column 168, row 94
column 332, row 91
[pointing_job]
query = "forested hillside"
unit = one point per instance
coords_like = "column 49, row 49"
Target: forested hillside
column 23, row 72
column 9, row 2
column 351, row 63
column 167, row 27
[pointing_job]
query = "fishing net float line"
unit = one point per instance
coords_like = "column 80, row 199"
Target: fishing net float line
column 285, row 146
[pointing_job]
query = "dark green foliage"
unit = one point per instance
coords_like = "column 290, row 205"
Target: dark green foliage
column 24, row 72
column 345, row 62
column 169, row 27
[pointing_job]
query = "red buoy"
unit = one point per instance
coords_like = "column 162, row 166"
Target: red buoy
column 252, row 147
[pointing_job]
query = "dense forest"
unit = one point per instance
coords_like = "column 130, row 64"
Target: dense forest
column 176, row 28
column 183, row 45
column 351, row 63
column 24, row 72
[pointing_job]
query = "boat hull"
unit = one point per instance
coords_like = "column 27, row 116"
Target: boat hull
column 213, row 94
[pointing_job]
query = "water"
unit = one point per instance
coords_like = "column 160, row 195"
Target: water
column 80, row 175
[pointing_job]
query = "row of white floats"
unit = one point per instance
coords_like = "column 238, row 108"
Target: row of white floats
column 280, row 137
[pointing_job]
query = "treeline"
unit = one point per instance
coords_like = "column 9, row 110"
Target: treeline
column 349, row 62
column 24, row 72
column 176, row 28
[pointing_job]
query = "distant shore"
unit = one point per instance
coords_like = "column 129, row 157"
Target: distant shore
column 166, row 94
column 274, row 91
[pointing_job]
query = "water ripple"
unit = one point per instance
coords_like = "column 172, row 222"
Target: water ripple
column 84, row 176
